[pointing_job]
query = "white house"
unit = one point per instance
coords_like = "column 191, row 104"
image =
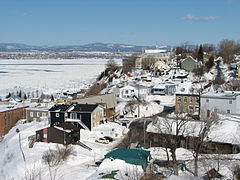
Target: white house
column 223, row 102
column 137, row 90
column 165, row 88
column 127, row 92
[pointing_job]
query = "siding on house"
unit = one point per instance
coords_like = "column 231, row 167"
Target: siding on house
column 9, row 117
column 189, row 64
column 223, row 102
column 187, row 103
column 36, row 114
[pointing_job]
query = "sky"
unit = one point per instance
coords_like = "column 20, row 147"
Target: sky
column 139, row 22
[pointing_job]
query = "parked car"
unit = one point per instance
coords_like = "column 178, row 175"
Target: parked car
column 102, row 140
column 110, row 139
column 98, row 163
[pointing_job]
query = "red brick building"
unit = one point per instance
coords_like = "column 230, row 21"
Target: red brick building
column 9, row 115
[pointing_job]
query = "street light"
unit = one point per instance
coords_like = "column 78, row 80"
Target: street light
column 18, row 131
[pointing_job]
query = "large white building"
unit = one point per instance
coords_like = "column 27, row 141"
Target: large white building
column 223, row 102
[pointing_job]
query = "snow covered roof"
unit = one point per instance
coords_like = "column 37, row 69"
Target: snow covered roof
column 221, row 95
column 109, row 99
column 224, row 131
column 4, row 108
column 155, row 50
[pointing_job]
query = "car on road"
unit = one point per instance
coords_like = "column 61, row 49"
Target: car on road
column 102, row 140
column 110, row 139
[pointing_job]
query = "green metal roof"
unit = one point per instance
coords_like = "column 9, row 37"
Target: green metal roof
column 131, row 156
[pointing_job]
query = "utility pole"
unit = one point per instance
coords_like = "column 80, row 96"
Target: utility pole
column 138, row 103
column 144, row 132
column 18, row 131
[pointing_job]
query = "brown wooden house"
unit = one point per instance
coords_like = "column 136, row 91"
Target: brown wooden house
column 64, row 133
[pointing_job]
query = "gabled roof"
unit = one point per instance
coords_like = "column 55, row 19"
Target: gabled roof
column 84, row 107
column 59, row 107
column 74, row 108
column 108, row 99
column 68, row 126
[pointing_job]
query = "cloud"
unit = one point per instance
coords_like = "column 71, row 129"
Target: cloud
column 190, row 17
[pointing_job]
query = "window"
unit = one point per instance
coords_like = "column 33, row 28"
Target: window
column 57, row 114
column 126, row 92
column 94, row 116
column 101, row 113
column 31, row 114
column 73, row 116
column 228, row 111
column 185, row 109
column 179, row 98
column 44, row 136
column 44, row 114
column 196, row 109
column 185, row 99
column 179, row 108
column 191, row 99
column 38, row 114
column 230, row 102
column 197, row 99
column 190, row 109
column 207, row 100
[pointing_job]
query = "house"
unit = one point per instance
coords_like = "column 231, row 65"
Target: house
column 37, row 114
column 187, row 103
column 35, row 100
column 108, row 101
column 64, row 133
column 84, row 116
column 188, row 64
column 9, row 115
column 131, row 156
column 134, row 90
column 166, row 88
column 159, row 65
column 127, row 92
column 126, row 77
column 63, row 100
column 158, row 54
column 223, row 102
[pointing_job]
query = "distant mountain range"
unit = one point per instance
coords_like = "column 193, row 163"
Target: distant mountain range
column 110, row 47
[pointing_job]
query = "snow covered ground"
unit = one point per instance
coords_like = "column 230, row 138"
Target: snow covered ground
column 80, row 166
column 48, row 75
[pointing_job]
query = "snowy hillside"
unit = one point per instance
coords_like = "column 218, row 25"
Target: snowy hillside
column 80, row 166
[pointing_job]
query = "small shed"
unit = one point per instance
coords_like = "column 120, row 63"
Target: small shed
column 64, row 133
column 131, row 156
column 212, row 174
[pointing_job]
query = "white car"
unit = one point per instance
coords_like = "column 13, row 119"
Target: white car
column 102, row 140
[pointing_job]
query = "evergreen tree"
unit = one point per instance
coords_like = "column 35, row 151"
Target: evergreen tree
column 200, row 54
column 9, row 95
column 52, row 98
column 25, row 96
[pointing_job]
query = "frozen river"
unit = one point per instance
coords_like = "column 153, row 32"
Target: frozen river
column 48, row 74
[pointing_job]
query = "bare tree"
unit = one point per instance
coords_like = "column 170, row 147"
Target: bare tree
column 227, row 49
column 111, row 64
column 129, row 63
column 201, row 131
column 147, row 62
column 172, row 130
column 232, row 85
